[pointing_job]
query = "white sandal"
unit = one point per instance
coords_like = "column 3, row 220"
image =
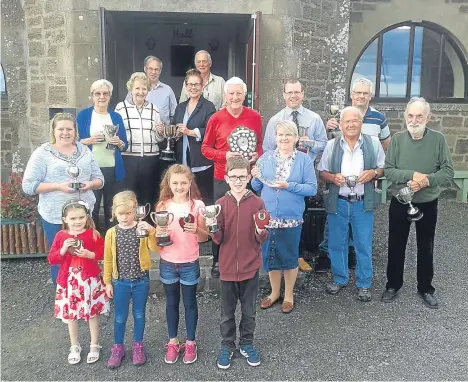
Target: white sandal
column 93, row 355
column 75, row 354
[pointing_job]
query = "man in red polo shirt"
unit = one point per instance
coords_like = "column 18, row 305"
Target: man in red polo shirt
column 215, row 146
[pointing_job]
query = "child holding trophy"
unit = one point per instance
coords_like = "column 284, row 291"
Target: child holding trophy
column 126, row 273
column 180, row 228
column 241, row 232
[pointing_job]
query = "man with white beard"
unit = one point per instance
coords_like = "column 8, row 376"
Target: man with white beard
column 418, row 158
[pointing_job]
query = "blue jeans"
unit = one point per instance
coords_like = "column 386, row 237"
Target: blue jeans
column 185, row 273
column 324, row 244
column 124, row 290
column 50, row 231
column 362, row 223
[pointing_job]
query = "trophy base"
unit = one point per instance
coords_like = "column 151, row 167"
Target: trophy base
column 213, row 228
column 168, row 156
column 415, row 217
column 111, row 147
column 164, row 241
column 141, row 234
column 76, row 185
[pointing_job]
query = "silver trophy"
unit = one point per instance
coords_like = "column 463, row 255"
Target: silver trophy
column 169, row 132
column 74, row 172
column 405, row 196
column 142, row 212
column 267, row 166
column 76, row 246
column 351, row 182
column 242, row 140
column 211, row 212
column 306, row 144
column 333, row 111
column 111, row 131
column 162, row 219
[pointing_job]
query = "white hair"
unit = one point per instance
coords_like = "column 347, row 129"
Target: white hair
column 202, row 51
column 287, row 125
column 99, row 83
column 351, row 108
column 235, row 81
column 363, row 81
column 427, row 106
column 148, row 59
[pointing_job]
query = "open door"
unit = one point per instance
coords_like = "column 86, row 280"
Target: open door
column 253, row 61
column 109, row 61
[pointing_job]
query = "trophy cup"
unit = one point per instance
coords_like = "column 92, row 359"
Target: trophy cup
column 351, row 182
column 242, row 140
column 405, row 196
column 74, row 172
column 111, row 131
column 211, row 212
column 162, row 219
column 169, row 132
column 333, row 111
column 267, row 166
column 187, row 218
column 262, row 218
column 301, row 146
column 76, row 246
column 142, row 212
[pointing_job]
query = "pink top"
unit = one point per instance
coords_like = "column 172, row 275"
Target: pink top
column 185, row 246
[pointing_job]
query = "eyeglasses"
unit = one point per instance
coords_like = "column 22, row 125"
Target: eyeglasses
column 362, row 94
column 351, row 122
column 103, row 94
column 189, row 85
column 234, row 178
column 290, row 94
column 156, row 70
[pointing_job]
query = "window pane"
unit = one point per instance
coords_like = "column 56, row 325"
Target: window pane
column 367, row 64
column 417, row 62
column 430, row 48
column 452, row 81
column 394, row 66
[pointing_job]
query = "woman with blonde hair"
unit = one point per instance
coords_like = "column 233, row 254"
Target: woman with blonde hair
column 144, row 132
column 107, row 150
column 46, row 175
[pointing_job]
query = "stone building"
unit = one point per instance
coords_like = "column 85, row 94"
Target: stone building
column 53, row 50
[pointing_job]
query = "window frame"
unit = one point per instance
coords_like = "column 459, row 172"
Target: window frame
column 446, row 36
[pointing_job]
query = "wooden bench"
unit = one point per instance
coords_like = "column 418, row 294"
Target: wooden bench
column 460, row 179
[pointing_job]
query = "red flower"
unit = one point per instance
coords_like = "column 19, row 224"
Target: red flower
column 97, row 308
column 74, row 283
column 82, row 292
column 73, row 300
column 56, row 310
column 81, row 313
column 15, row 203
column 65, row 313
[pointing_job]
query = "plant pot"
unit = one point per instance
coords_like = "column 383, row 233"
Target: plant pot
column 21, row 238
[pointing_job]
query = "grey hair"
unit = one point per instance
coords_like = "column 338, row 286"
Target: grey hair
column 427, row 106
column 138, row 76
column 287, row 125
column 235, row 81
column 363, row 81
column 99, row 83
column 351, row 108
column 151, row 58
column 202, row 51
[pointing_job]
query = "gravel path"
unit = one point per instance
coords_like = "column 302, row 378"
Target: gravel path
column 326, row 337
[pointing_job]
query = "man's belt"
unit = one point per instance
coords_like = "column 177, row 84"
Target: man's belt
column 358, row 197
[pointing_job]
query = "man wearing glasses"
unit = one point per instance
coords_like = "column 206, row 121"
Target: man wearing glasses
column 374, row 124
column 312, row 135
column 213, row 86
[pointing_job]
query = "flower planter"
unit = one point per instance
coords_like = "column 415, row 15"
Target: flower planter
column 22, row 239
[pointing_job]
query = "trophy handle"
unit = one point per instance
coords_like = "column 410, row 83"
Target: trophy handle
column 202, row 212
column 171, row 219
column 147, row 207
column 153, row 218
column 218, row 210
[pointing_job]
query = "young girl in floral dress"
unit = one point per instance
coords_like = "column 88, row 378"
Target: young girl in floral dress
column 81, row 294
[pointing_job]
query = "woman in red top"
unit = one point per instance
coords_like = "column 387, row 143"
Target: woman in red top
column 77, row 248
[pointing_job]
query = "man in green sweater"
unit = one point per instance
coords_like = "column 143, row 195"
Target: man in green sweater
column 418, row 158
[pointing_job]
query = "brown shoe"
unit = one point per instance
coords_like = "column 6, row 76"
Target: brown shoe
column 266, row 303
column 304, row 265
column 287, row 307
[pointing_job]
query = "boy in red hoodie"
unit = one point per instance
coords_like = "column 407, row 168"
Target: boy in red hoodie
column 240, row 259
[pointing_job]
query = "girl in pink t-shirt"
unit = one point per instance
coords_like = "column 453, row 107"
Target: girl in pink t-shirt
column 179, row 267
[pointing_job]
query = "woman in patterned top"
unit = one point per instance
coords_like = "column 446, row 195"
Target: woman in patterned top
column 126, row 274
column 291, row 177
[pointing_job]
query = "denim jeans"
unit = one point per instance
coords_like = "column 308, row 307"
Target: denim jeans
column 124, row 291
column 50, row 231
column 362, row 223
column 323, row 247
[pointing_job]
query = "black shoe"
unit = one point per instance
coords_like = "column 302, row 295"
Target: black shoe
column 351, row 258
column 322, row 264
column 215, row 270
column 389, row 295
column 429, row 300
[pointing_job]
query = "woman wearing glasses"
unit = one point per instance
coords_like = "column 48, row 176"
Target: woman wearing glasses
column 92, row 131
column 192, row 117
column 284, row 176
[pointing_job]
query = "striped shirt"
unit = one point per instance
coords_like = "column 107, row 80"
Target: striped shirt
column 140, row 126
column 375, row 124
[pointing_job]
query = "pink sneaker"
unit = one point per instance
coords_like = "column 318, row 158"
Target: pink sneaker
column 172, row 353
column 190, row 355
column 138, row 354
column 117, row 355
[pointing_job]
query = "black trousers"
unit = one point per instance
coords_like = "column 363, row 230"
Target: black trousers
column 220, row 187
column 111, row 187
column 142, row 177
column 205, row 185
column 398, row 231
column 231, row 292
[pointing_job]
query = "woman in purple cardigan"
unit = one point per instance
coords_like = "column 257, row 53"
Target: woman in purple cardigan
column 91, row 122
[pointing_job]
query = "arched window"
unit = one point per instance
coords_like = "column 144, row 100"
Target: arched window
column 414, row 59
